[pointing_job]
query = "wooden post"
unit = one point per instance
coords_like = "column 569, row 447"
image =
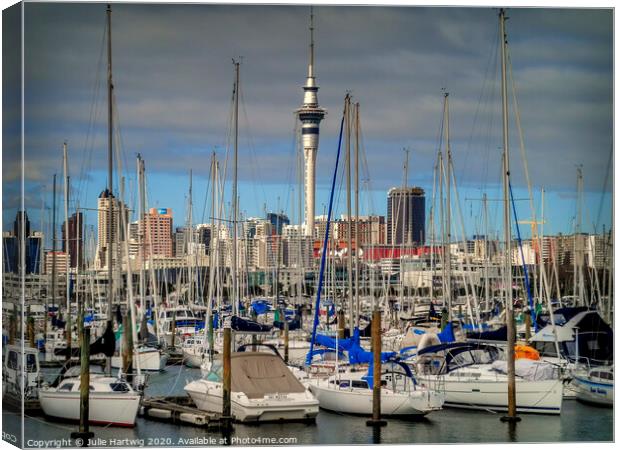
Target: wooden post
column 83, row 435
column 510, row 358
column 254, row 317
column 285, row 341
column 340, row 324
column 376, row 373
column 210, row 337
column 174, row 327
column 528, row 326
column 30, row 329
column 226, row 407
column 127, row 347
column 12, row 327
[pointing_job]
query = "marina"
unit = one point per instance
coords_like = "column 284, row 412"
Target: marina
column 284, row 326
column 578, row 422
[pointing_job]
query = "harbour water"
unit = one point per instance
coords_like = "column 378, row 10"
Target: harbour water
column 577, row 423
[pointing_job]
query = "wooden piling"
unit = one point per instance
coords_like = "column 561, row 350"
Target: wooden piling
column 210, row 337
column 528, row 326
column 127, row 347
column 174, row 328
column 285, row 341
column 226, row 406
column 340, row 324
column 12, row 328
column 84, row 434
column 376, row 372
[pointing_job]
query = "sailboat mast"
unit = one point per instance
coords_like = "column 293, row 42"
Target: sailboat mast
column 142, row 228
column 110, row 168
column 357, row 215
column 349, row 228
column 510, row 356
column 54, row 245
column 67, row 262
column 234, row 192
column 448, row 212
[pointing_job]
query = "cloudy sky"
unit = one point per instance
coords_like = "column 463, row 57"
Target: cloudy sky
column 173, row 77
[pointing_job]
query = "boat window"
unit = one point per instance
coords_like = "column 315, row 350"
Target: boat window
column 545, row 348
column 359, row 384
column 91, row 387
column 462, row 359
column 66, row 387
column 31, row 363
column 12, row 360
column 119, row 387
column 603, row 375
column 344, row 384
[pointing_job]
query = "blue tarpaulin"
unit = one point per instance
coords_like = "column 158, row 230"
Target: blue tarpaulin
column 447, row 334
column 260, row 307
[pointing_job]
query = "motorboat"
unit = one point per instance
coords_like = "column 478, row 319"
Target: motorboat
column 112, row 401
column 177, row 323
column 14, row 375
column 149, row 359
column 297, row 348
column 351, row 392
column 474, row 377
column 595, row 385
column 263, row 389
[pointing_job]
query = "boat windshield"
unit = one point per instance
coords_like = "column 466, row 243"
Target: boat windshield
column 216, row 372
column 470, row 357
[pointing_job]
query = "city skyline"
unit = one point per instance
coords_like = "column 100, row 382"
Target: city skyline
column 175, row 103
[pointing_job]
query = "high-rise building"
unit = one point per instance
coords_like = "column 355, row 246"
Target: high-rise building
column 310, row 115
column 156, row 233
column 12, row 251
column 406, row 216
column 105, row 236
column 61, row 262
column 277, row 221
column 76, row 239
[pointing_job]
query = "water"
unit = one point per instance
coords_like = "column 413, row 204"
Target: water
column 578, row 422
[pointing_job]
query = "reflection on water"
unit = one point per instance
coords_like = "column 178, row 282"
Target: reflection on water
column 578, row 422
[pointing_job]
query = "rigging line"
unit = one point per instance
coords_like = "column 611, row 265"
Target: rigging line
column 515, row 107
column 254, row 162
column 87, row 155
column 605, row 183
column 483, row 100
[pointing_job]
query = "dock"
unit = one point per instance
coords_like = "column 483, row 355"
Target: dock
column 179, row 410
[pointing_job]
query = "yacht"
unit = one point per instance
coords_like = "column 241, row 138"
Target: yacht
column 474, row 377
column 263, row 389
column 112, row 401
column 595, row 385
column 149, row 359
column 351, row 392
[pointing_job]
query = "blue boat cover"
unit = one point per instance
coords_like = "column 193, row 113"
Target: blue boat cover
column 447, row 334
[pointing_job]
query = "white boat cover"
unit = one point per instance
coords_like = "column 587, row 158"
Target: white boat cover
column 528, row 369
column 259, row 374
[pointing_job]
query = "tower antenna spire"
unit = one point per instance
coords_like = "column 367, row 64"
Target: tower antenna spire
column 310, row 115
column 311, row 64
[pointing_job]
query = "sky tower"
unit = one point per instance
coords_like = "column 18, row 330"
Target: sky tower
column 310, row 115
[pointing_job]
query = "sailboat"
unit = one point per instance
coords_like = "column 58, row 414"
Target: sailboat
column 112, row 401
column 262, row 386
column 481, row 376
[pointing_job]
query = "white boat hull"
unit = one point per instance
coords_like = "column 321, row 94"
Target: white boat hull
column 288, row 407
column 593, row 392
column 118, row 409
column 151, row 360
column 356, row 401
column 543, row 397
